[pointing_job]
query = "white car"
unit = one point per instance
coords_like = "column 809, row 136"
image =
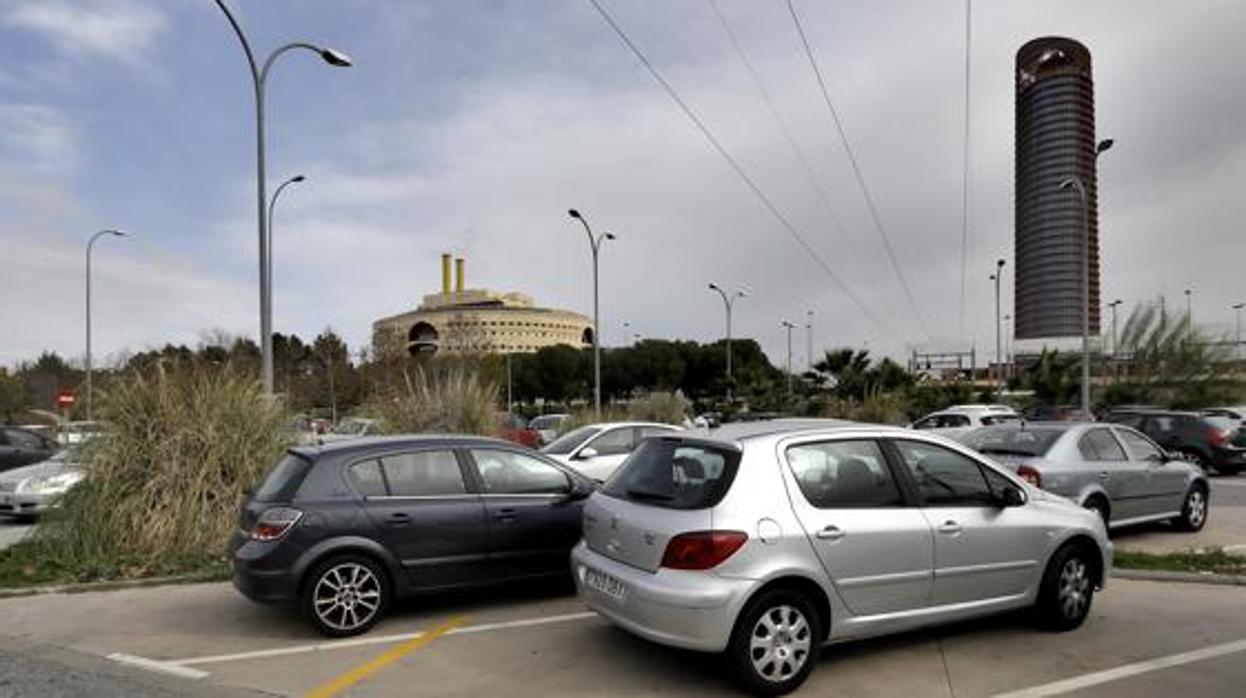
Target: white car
column 961, row 419
column 352, row 428
column 595, row 450
column 547, row 425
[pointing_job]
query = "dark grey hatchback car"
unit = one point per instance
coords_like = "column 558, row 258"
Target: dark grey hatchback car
column 343, row 529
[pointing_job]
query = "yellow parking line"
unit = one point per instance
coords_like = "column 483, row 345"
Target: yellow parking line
column 344, row 681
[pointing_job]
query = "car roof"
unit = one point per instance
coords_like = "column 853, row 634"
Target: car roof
column 370, row 443
column 735, row 432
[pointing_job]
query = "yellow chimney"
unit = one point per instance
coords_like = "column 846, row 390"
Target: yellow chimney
column 459, row 281
column 445, row 273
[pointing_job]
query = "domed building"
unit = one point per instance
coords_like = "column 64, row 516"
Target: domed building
column 478, row 321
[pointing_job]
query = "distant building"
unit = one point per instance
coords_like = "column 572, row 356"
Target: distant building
column 476, row 321
column 1055, row 139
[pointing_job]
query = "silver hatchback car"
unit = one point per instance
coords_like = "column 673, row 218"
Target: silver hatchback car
column 765, row 541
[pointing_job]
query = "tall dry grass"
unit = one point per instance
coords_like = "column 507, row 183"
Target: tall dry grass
column 164, row 482
column 447, row 400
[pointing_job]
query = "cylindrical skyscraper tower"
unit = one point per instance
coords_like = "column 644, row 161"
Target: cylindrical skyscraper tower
column 1055, row 140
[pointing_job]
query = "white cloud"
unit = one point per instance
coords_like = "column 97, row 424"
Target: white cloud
column 122, row 31
column 39, row 138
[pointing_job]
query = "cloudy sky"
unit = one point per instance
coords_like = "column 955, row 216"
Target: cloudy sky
column 471, row 126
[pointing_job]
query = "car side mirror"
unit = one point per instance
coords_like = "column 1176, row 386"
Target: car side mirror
column 579, row 490
column 586, row 453
column 1011, row 497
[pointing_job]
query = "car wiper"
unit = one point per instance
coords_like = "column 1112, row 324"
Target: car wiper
column 652, row 496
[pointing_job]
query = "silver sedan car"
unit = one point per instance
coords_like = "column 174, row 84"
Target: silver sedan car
column 765, row 541
column 1110, row 468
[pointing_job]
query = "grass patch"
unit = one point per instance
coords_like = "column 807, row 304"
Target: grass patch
column 1211, row 560
column 35, row 563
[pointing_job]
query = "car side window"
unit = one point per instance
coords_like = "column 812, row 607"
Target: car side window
column 423, row 474
column 507, row 472
column 646, row 432
column 1139, row 446
column 841, row 474
column 1100, row 445
column 944, row 477
column 926, row 423
column 367, row 478
column 614, row 442
column 22, row 439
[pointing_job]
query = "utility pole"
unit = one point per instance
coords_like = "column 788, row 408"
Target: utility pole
column 809, row 341
column 999, row 346
column 595, row 242
column 1238, row 348
column 789, row 326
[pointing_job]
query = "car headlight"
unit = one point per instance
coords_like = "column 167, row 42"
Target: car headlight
column 51, row 484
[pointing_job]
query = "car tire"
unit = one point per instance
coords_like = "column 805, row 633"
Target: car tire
column 1100, row 506
column 345, row 595
column 1194, row 509
column 776, row 641
column 1068, row 588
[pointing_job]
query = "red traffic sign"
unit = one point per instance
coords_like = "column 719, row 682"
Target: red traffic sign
column 65, row 398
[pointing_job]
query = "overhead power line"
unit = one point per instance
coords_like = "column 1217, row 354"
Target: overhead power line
column 735, row 166
column 856, row 170
column 779, row 121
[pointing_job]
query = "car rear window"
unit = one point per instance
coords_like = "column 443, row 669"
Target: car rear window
column 674, row 474
column 1012, row 441
column 283, row 480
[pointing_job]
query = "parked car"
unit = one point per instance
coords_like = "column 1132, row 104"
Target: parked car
column 20, row 447
column 1111, row 469
column 352, row 428
column 547, row 426
column 1236, row 412
column 516, row 430
column 342, row 529
column 765, row 541
column 595, row 450
column 73, row 433
column 1214, row 443
column 959, row 419
column 31, row 490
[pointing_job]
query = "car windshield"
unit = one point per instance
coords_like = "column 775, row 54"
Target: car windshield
column 545, row 422
column 1222, row 423
column 570, row 441
column 1012, row 441
column 1000, row 418
column 673, row 475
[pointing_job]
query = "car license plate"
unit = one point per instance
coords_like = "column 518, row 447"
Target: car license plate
column 604, row 583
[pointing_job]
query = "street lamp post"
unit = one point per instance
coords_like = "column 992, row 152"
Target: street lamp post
column 91, row 246
column 1008, row 372
column 1115, row 342
column 272, row 203
column 789, row 326
column 259, row 78
column 809, row 341
column 1238, row 307
column 729, row 302
column 1189, row 308
column 595, row 242
column 999, row 344
column 1075, row 182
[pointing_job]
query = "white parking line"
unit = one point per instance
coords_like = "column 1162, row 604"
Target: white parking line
column 1122, row 672
column 376, row 640
column 156, row 665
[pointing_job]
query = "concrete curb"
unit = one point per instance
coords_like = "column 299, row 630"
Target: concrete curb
column 199, row 577
column 1183, row 577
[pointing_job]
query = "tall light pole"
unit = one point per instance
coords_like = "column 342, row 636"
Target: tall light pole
column 999, row 343
column 272, row 203
column 259, row 78
column 595, row 242
column 809, row 341
column 1238, row 307
column 789, row 326
column 1075, row 182
column 1189, row 307
column 1115, row 338
column 1008, row 346
column 729, row 300
column 90, row 247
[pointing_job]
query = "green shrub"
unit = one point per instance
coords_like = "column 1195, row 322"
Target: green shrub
column 164, row 481
column 452, row 399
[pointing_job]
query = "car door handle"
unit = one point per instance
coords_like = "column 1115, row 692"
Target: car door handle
column 1103, row 475
column 830, row 533
column 949, row 527
column 399, row 519
column 506, row 515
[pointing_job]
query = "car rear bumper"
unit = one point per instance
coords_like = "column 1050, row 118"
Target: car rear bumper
column 12, row 504
column 692, row 610
column 254, row 576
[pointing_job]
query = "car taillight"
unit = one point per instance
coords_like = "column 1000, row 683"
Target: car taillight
column 702, row 550
column 1030, row 474
column 1217, row 438
column 274, row 523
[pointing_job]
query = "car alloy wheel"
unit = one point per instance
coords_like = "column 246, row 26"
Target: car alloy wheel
column 1074, row 589
column 780, row 643
column 346, row 597
column 1194, row 510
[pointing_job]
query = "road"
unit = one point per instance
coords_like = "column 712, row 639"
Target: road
column 13, row 531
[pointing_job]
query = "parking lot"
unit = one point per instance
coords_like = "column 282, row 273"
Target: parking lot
column 1143, row 638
